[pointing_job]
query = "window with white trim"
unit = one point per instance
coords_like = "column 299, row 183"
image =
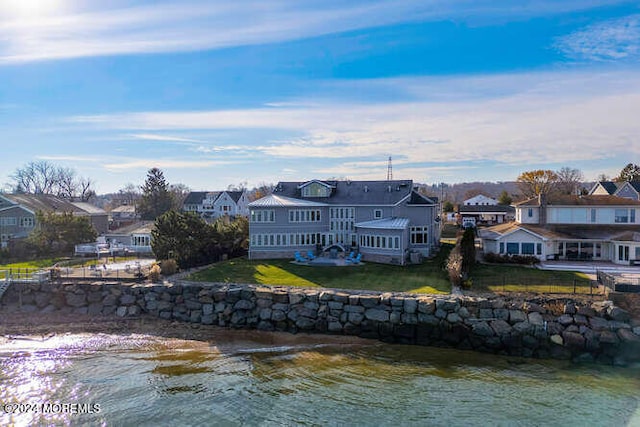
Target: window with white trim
column 377, row 213
column 27, row 222
column 263, row 215
column 304, row 215
column 419, row 235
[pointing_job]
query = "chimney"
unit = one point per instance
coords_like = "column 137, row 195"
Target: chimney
column 542, row 214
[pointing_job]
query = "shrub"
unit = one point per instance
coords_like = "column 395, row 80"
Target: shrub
column 454, row 266
column 168, row 267
column 511, row 259
column 154, row 273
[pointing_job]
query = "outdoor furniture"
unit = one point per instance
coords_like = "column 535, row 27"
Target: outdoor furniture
column 310, row 255
column 355, row 260
column 299, row 258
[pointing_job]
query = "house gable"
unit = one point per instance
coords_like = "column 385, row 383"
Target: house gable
column 628, row 191
column 315, row 188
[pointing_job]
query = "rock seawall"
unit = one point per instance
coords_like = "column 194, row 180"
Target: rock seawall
column 542, row 328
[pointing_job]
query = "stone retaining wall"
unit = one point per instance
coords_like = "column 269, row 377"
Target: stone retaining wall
column 596, row 331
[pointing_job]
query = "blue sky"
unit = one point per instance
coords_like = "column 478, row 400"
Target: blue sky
column 216, row 92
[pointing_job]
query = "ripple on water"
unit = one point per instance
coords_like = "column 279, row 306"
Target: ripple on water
column 149, row 381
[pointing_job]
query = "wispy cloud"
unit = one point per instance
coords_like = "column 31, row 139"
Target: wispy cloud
column 522, row 126
column 612, row 40
column 172, row 26
column 144, row 164
column 83, row 159
column 162, row 138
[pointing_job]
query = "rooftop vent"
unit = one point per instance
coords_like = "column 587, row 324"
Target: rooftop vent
column 366, row 188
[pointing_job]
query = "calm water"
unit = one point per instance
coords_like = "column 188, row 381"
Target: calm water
column 145, row 380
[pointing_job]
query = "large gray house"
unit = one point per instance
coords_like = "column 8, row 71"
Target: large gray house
column 385, row 221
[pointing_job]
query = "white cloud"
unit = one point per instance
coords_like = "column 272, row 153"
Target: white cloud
column 173, row 26
column 540, row 119
column 612, row 40
column 163, row 138
column 163, row 164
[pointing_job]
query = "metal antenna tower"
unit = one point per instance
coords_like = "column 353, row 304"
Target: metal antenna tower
column 389, row 171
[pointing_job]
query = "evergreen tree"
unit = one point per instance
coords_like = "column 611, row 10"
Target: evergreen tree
column 156, row 196
column 505, row 199
column 631, row 172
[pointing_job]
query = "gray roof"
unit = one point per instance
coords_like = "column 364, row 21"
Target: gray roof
column 385, row 224
column 195, row 197
column 235, row 195
column 609, row 186
column 468, row 209
column 89, row 208
column 376, row 193
column 273, row 200
column 44, row 203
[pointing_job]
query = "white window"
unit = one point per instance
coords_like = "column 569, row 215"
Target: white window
column 27, row 222
column 305, row 215
column 263, row 215
column 622, row 215
column 419, row 235
column 377, row 213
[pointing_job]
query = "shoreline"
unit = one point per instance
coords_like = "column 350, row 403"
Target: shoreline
column 15, row 326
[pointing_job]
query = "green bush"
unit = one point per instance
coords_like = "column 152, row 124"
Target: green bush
column 511, row 259
column 168, row 267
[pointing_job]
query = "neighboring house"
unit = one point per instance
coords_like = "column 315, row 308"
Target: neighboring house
column 123, row 215
column 18, row 213
column 480, row 200
column 215, row 204
column 592, row 227
column 384, row 221
column 131, row 239
column 16, row 221
column 627, row 189
column 475, row 215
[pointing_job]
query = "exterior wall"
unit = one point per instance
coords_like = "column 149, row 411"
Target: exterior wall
column 628, row 192
column 599, row 190
column 481, row 200
column 225, row 205
column 100, row 223
column 582, row 215
column 330, row 232
column 385, row 254
column 528, row 214
column 625, row 253
column 15, row 222
column 518, row 238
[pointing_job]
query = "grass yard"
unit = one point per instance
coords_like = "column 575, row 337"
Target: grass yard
column 38, row 263
column 511, row 278
column 424, row 278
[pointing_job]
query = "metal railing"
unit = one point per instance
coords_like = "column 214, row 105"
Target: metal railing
column 533, row 284
column 618, row 283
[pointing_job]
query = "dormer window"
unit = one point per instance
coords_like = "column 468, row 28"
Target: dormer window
column 315, row 189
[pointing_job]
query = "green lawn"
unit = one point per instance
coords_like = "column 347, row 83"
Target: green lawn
column 513, row 278
column 38, row 263
column 424, row 278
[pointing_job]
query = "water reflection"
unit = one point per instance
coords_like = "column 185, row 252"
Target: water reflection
column 148, row 380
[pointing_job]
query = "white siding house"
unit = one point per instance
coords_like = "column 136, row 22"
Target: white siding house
column 593, row 227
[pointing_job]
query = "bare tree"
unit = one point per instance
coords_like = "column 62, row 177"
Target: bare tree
column 180, row 193
column 43, row 177
column 569, row 180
